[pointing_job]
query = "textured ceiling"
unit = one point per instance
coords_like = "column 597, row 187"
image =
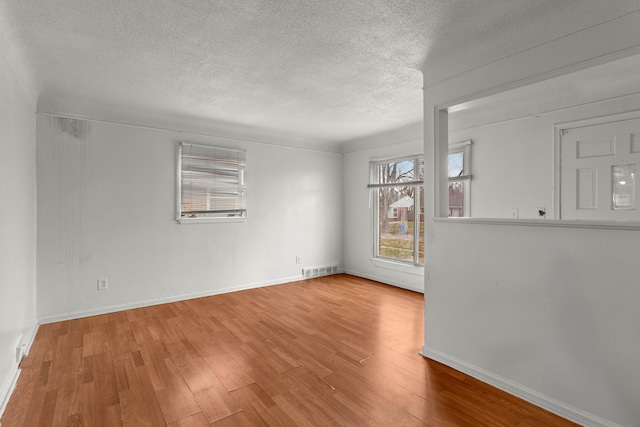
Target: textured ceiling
column 315, row 70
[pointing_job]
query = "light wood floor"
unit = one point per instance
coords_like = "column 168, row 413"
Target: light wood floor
column 338, row 350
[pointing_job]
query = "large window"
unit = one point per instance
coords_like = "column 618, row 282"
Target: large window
column 211, row 183
column 399, row 215
column 398, row 190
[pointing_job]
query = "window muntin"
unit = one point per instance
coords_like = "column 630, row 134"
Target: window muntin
column 398, row 188
column 211, row 182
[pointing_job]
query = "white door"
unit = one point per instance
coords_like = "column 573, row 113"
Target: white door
column 598, row 166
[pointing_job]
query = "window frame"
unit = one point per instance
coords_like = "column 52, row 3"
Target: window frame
column 463, row 147
column 375, row 187
column 231, row 213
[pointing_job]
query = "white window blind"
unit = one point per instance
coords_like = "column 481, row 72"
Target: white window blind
column 212, row 182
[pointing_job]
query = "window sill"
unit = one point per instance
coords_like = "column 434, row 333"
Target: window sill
column 566, row 223
column 416, row 270
column 210, row 220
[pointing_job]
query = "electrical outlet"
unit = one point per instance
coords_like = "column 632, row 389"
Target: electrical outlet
column 298, row 260
column 541, row 213
column 103, row 284
column 513, row 212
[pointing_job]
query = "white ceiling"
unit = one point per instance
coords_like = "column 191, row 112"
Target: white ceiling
column 322, row 71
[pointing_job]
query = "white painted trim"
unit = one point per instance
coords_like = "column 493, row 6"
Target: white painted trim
column 557, row 164
column 550, row 404
column 548, row 112
column 31, row 336
column 411, row 155
column 205, row 220
column 385, row 281
column 459, row 146
column 559, row 223
column 531, row 79
column 295, row 143
column 600, row 120
column 10, row 383
column 8, row 386
column 402, row 267
column 148, row 303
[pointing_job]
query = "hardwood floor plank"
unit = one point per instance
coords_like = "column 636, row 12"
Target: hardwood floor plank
column 153, row 355
column 314, row 394
column 100, row 399
column 176, row 399
column 380, row 410
column 195, row 420
column 16, row 410
column 48, row 408
column 257, row 412
column 238, row 419
column 74, row 420
column 146, row 399
column 138, row 406
column 213, row 399
column 337, row 350
column 230, row 373
column 298, row 412
column 69, row 387
column 279, row 361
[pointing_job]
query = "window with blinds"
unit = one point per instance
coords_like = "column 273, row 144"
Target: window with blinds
column 211, row 182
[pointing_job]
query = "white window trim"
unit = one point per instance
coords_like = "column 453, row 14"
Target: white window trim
column 210, row 220
column 390, row 262
column 465, row 148
column 400, row 266
column 199, row 220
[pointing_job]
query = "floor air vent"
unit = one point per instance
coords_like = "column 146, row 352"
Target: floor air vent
column 311, row 272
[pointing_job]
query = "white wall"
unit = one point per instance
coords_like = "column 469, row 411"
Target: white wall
column 107, row 210
column 17, row 225
column 358, row 216
column 553, row 310
column 546, row 311
column 513, row 161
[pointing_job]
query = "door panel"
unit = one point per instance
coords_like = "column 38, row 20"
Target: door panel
column 596, row 148
column 587, row 188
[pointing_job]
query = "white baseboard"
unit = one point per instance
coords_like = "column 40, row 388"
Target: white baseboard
column 8, row 386
column 395, row 283
column 14, row 373
column 552, row 405
column 146, row 303
column 31, row 336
